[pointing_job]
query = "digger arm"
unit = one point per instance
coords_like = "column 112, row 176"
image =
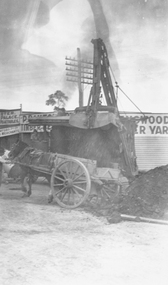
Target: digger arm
column 101, row 74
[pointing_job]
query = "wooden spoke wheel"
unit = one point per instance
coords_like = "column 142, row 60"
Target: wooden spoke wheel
column 110, row 192
column 70, row 183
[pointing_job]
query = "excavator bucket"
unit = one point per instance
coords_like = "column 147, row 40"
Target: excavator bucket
column 97, row 120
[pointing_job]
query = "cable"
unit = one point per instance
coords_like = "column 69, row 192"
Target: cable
column 131, row 101
column 118, row 87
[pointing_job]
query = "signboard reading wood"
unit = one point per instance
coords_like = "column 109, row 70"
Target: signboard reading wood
column 10, row 117
column 151, row 124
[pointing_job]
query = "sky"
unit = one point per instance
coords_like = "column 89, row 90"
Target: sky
column 36, row 36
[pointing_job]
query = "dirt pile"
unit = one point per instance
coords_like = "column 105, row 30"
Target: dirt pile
column 147, row 195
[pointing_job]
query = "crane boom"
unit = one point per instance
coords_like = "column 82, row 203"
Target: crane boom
column 96, row 115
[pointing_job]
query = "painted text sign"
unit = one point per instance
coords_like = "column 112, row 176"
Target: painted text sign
column 10, row 117
column 9, row 131
column 151, row 124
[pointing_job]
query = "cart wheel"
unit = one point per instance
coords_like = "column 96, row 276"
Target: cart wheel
column 70, row 183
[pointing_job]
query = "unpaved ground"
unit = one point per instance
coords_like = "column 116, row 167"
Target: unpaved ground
column 44, row 244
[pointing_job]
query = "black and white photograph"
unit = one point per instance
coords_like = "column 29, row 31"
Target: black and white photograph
column 83, row 142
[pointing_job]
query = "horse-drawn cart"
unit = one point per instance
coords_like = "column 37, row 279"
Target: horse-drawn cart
column 72, row 180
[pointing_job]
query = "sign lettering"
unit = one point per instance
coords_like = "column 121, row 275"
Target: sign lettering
column 151, row 124
column 9, row 131
column 10, row 117
column 25, row 117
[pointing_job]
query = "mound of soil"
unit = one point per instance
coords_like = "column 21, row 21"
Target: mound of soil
column 147, row 195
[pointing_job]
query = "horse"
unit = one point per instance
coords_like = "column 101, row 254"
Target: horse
column 27, row 157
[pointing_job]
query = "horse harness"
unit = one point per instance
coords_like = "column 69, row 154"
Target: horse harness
column 39, row 156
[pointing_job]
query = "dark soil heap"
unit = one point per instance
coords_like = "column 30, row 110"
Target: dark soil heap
column 147, row 195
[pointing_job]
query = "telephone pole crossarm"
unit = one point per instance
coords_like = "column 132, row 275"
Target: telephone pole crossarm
column 80, row 71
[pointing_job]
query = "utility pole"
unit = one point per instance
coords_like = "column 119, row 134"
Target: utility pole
column 79, row 71
column 80, row 85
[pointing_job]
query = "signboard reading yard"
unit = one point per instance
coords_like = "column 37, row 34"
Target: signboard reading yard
column 151, row 124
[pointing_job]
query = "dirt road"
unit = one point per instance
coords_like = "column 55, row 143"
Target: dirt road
column 42, row 244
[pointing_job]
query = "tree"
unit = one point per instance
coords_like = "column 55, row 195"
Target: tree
column 57, row 99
